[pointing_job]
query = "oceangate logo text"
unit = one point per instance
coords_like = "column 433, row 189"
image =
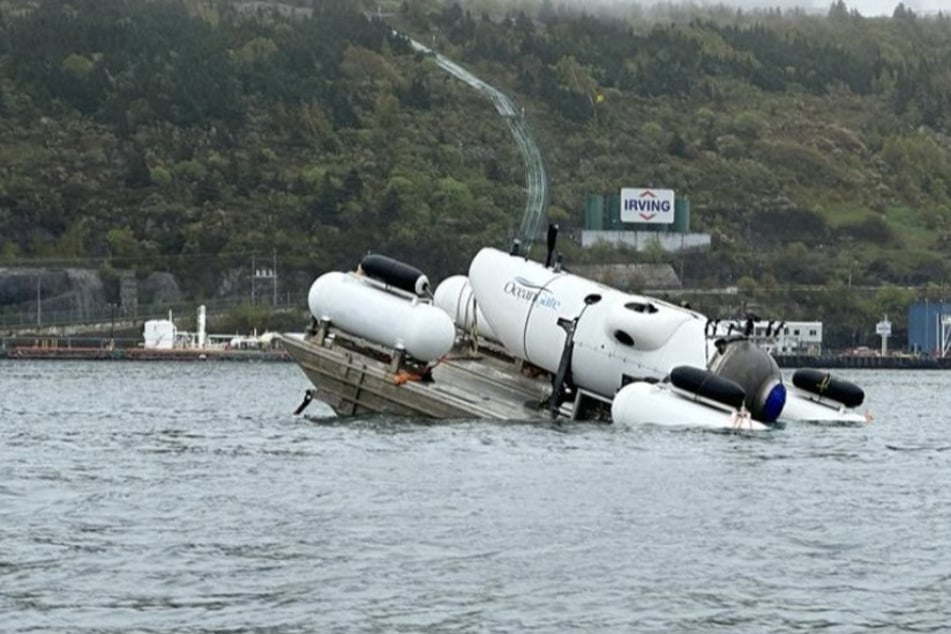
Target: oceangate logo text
column 523, row 289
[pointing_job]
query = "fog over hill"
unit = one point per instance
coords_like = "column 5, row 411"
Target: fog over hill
column 867, row 8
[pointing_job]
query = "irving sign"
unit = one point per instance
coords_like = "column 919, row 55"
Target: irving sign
column 647, row 205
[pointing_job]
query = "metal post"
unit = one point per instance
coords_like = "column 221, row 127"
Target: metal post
column 884, row 330
column 683, row 238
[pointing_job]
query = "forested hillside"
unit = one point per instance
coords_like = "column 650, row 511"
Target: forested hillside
column 161, row 134
column 187, row 136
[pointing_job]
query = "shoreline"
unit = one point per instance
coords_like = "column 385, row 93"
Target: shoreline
column 139, row 354
column 280, row 355
column 874, row 363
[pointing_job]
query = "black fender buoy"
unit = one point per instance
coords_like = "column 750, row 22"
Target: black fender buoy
column 395, row 273
column 824, row 384
column 708, row 385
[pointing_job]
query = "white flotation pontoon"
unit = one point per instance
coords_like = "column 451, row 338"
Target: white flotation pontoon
column 692, row 397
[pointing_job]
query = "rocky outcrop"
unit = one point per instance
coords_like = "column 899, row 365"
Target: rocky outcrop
column 159, row 288
column 72, row 293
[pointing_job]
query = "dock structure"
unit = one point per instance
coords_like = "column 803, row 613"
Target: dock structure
column 357, row 377
column 111, row 353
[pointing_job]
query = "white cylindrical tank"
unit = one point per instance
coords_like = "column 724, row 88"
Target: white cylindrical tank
column 641, row 403
column 422, row 330
column 617, row 334
column 202, row 325
column 454, row 295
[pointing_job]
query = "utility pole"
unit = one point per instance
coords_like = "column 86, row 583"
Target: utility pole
column 39, row 300
column 264, row 274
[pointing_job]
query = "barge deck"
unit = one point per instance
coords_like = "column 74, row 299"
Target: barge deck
column 357, row 377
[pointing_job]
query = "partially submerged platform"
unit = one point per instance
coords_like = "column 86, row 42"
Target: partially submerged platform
column 356, row 377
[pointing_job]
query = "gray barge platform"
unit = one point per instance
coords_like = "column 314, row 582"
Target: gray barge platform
column 357, row 377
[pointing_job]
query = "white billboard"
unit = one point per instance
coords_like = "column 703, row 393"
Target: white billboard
column 647, row 205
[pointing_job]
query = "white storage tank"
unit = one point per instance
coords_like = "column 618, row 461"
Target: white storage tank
column 454, row 296
column 356, row 306
column 159, row 334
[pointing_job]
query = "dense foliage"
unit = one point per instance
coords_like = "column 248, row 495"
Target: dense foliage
column 190, row 137
column 187, row 136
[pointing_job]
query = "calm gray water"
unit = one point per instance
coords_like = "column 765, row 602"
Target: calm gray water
column 185, row 497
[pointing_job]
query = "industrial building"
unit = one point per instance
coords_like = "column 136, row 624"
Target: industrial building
column 779, row 338
column 929, row 328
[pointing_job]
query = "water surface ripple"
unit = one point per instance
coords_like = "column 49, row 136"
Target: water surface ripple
column 185, row 497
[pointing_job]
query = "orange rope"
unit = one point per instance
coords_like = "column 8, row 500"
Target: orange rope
column 403, row 376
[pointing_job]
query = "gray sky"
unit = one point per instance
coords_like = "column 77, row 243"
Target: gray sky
column 868, row 8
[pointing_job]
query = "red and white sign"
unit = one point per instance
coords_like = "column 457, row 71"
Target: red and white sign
column 647, row 205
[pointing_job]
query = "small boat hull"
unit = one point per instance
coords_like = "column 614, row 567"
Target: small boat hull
column 641, row 403
column 802, row 406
